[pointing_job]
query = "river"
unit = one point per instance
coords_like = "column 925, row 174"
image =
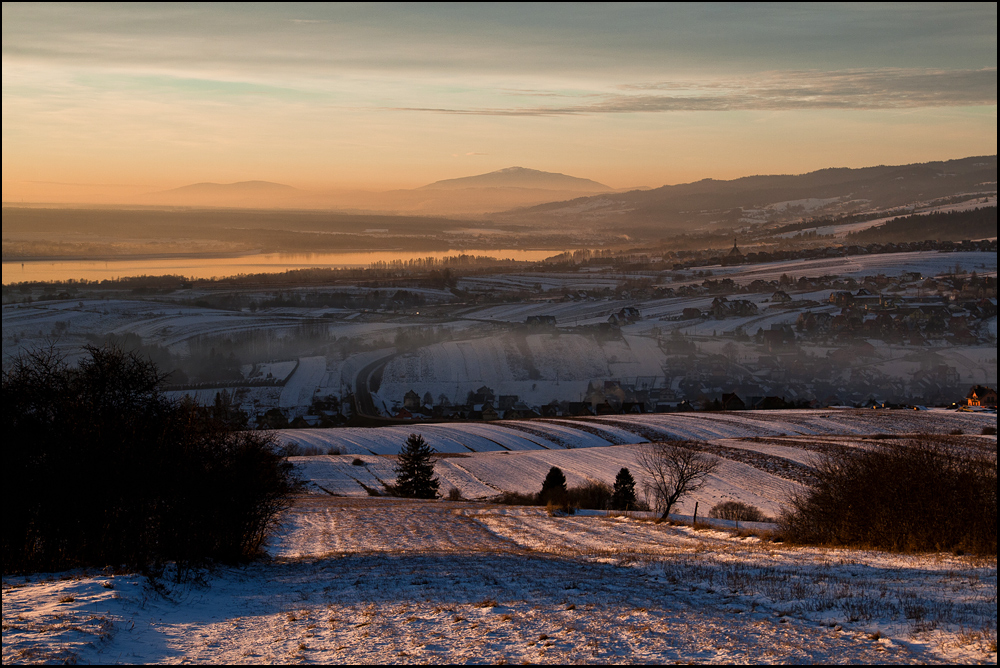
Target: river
column 199, row 267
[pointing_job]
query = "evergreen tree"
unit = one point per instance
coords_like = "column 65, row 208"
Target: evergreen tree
column 553, row 487
column 415, row 470
column 623, row 495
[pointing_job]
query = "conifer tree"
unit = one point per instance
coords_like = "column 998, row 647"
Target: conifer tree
column 623, row 494
column 553, row 487
column 415, row 470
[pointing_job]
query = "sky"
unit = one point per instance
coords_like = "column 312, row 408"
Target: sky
column 103, row 101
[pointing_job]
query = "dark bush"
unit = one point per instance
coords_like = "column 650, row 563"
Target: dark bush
column 989, row 431
column 915, row 495
column 102, row 470
column 592, row 495
column 357, row 461
column 737, row 511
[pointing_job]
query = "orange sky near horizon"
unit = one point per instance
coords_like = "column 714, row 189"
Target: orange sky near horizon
column 103, row 103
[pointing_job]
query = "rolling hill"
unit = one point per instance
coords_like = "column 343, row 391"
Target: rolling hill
column 710, row 202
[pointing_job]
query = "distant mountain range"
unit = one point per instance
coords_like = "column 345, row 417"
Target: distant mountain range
column 522, row 196
column 470, row 195
column 520, row 177
column 239, row 194
column 240, row 187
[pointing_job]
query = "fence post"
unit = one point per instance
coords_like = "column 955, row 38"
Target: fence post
column 695, row 520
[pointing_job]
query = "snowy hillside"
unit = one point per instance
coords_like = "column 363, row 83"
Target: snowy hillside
column 390, row 581
column 766, row 454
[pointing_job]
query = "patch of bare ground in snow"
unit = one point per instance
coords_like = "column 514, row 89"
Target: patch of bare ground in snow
column 358, row 580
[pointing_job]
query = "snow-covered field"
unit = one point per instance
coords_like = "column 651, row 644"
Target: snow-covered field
column 547, row 434
column 357, row 579
column 766, row 455
column 392, row 581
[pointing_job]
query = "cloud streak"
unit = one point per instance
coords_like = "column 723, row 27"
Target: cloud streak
column 869, row 89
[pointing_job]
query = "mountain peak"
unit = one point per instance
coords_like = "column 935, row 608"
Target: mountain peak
column 520, row 177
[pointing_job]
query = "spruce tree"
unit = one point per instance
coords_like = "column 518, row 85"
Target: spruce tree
column 415, row 470
column 553, row 487
column 623, row 494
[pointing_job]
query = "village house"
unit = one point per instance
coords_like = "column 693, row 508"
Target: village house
column 980, row 395
column 781, row 297
column 625, row 316
column 732, row 402
column 724, row 308
column 411, row 401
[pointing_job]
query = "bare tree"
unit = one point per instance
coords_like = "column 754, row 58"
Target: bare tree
column 673, row 470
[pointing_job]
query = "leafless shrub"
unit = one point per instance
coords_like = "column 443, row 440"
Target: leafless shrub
column 917, row 496
column 299, row 450
column 593, row 495
column 454, row 494
column 516, row 499
column 737, row 511
column 989, row 431
column 673, row 470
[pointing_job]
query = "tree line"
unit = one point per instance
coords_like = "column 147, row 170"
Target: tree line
column 978, row 223
column 103, row 470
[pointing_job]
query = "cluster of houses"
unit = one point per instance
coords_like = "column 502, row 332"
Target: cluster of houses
column 613, row 397
column 602, row 398
column 879, row 316
column 625, row 316
column 946, row 308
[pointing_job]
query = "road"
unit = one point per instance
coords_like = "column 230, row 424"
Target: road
column 362, row 392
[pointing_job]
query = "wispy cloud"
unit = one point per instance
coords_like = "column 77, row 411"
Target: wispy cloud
column 86, row 185
column 849, row 89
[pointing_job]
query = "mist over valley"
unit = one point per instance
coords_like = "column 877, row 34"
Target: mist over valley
column 347, row 333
